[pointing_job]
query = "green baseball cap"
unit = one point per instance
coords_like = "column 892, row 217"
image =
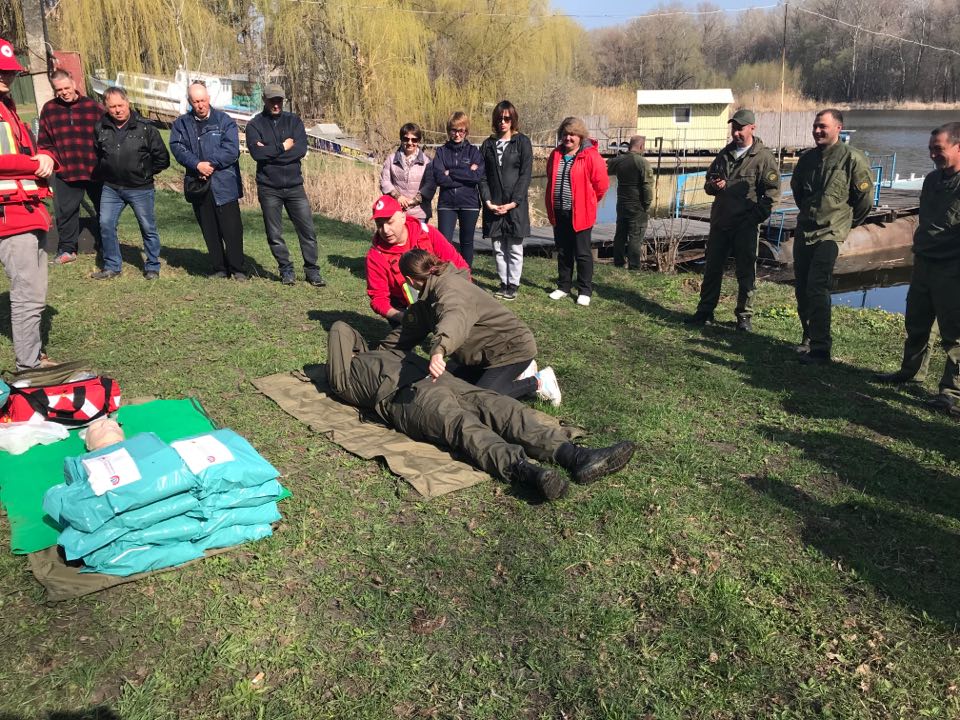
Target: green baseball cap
column 743, row 117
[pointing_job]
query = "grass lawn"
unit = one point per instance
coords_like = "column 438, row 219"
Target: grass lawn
column 786, row 543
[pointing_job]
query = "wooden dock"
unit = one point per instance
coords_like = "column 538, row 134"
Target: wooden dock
column 660, row 233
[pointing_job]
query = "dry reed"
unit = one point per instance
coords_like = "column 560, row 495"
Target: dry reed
column 337, row 188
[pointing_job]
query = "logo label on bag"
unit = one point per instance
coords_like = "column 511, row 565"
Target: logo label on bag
column 111, row 471
column 199, row 453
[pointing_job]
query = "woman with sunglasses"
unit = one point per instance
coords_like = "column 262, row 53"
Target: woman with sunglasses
column 508, row 158
column 403, row 172
column 457, row 170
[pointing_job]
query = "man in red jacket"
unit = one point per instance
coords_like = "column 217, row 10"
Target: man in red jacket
column 397, row 233
column 68, row 132
column 23, row 219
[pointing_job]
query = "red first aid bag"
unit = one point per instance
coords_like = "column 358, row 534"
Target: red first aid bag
column 73, row 404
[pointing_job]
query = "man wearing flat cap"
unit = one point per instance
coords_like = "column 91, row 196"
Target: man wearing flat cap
column 277, row 140
column 744, row 180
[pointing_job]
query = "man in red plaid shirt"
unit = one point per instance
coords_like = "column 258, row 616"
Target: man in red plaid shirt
column 67, row 132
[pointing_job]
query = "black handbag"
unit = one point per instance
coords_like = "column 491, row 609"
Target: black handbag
column 195, row 188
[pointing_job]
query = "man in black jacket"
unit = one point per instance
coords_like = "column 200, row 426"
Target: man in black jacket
column 277, row 140
column 130, row 152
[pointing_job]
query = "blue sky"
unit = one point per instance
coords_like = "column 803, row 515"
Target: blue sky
column 598, row 13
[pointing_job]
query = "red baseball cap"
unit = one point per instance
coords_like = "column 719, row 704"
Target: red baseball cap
column 8, row 58
column 385, row 207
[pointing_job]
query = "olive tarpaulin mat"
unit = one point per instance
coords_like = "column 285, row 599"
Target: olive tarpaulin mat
column 429, row 469
column 25, row 478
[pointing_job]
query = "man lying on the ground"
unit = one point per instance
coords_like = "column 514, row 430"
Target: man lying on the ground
column 496, row 433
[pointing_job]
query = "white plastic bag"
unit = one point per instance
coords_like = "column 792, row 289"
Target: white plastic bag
column 16, row 438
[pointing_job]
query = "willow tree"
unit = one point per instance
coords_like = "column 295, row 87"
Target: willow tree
column 147, row 36
column 11, row 24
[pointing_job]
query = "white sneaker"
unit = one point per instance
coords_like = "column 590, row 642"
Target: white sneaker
column 549, row 390
column 558, row 294
column 583, row 300
column 529, row 372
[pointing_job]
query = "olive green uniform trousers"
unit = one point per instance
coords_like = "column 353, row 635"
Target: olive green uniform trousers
column 742, row 241
column 934, row 295
column 493, row 431
column 629, row 235
column 813, row 266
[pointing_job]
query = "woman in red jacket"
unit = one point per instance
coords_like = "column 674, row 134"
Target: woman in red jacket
column 576, row 181
column 397, row 233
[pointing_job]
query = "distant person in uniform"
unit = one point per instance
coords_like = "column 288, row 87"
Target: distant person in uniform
column 207, row 143
column 277, row 140
column 130, row 152
column 833, row 190
column 494, row 432
column 68, row 132
column 934, row 293
column 634, row 197
column 744, row 180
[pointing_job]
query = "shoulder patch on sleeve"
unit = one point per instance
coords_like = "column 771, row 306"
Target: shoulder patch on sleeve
column 772, row 177
column 863, row 185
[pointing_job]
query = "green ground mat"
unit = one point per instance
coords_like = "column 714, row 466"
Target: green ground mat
column 25, row 478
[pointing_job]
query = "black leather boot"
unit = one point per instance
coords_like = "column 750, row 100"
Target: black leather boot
column 551, row 484
column 587, row 465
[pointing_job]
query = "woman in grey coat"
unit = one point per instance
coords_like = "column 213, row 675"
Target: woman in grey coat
column 508, row 159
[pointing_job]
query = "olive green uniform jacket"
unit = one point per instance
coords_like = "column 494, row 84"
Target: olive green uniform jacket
column 467, row 324
column 833, row 189
column 752, row 189
column 493, row 431
column 634, row 182
column 934, row 293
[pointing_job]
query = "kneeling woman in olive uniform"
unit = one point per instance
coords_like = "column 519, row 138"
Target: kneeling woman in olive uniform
column 491, row 347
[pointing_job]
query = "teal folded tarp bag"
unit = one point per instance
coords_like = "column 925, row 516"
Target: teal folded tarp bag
column 129, row 475
column 224, row 461
column 77, row 543
column 239, row 498
column 259, row 515
column 172, row 530
column 225, row 537
column 4, row 392
column 121, row 558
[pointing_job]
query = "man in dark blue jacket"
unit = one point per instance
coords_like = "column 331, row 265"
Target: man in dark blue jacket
column 277, row 140
column 206, row 142
column 130, row 152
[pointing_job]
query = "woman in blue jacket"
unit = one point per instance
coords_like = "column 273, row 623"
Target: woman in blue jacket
column 457, row 170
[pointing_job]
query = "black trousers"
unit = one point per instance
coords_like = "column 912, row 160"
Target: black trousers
column 501, row 379
column 573, row 249
column 222, row 231
column 67, row 197
column 272, row 202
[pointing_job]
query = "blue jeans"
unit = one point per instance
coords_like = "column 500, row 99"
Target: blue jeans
column 447, row 218
column 112, row 203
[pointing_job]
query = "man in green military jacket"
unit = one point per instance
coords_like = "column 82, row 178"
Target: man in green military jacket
column 745, row 182
column 833, row 190
column 934, row 292
column 634, row 197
